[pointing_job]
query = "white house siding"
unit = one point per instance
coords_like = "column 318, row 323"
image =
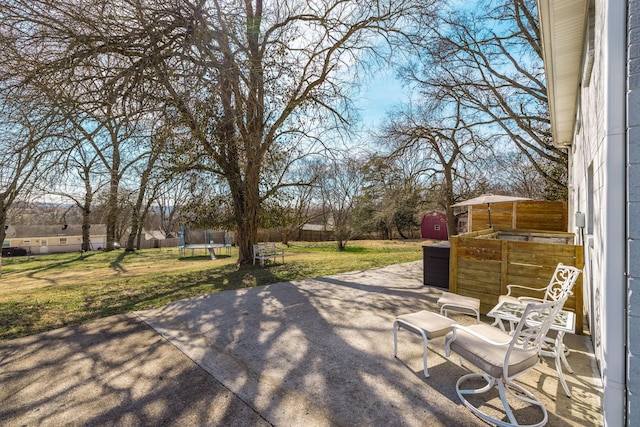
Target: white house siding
column 597, row 188
column 54, row 244
column 586, row 186
column 633, row 217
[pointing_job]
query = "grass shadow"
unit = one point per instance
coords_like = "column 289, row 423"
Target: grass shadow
column 112, row 297
column 48, row 266
column 116, row 264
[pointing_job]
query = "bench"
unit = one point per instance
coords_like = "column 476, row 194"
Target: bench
column 266, row 251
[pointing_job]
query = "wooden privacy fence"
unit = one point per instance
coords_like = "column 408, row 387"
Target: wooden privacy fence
column 160, row 243
column 483, row 263
column 528, row 215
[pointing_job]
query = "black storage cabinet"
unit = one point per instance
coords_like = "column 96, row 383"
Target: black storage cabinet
column 436, row 264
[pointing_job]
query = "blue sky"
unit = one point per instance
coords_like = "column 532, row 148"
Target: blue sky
column 379, row 96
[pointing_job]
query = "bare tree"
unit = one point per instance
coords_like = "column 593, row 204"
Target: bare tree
column 92, row 91
column 249, row 79
column 339, row 186
column 438, row 134
column 172, row 196
column 147, row 184
column 256, row 76
column 27, row 145
column 490, row 60
column 291, row 208
column 120, row 143
column 511, row 173
column 79, row 180
column 392, row 196
column 300, row 210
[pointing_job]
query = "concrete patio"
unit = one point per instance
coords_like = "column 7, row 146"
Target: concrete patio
column 316, row 352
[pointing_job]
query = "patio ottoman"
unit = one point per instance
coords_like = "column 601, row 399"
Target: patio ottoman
column 459, row 304
column 427, row 324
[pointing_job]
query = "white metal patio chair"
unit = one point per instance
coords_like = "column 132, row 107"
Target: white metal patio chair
column 502, row 357
column 561, row 283
column 560, row 287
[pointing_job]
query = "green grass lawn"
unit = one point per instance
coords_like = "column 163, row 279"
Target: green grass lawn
column 49, row 291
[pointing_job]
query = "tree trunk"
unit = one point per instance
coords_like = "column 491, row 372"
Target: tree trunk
column 401, row 233
column 139, row 213
column 86, row 214
column 143, row 218
column 246, row 200
column 139, row 238
column 114, row 186
column 130, row 246
column 112, row 211
column 136, row 221
column 86, row 230
column 247, row 234
column 3, row 233
column 342, row 230
column 449, row 199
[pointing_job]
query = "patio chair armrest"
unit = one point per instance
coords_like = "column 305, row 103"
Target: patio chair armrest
column 526, row 300
column 510, row 287
column 454, row 334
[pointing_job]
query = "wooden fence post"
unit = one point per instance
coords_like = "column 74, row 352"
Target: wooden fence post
column 453, row 264
column 504, row 267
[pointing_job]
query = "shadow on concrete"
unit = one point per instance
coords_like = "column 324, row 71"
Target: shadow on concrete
column 320, row 352
column 115, row 372
column 315, row 352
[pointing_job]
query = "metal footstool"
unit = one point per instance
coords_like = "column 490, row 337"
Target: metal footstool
column 459, row 304
column 425, row 323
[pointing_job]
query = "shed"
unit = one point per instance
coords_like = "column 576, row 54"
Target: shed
column 434, row 226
